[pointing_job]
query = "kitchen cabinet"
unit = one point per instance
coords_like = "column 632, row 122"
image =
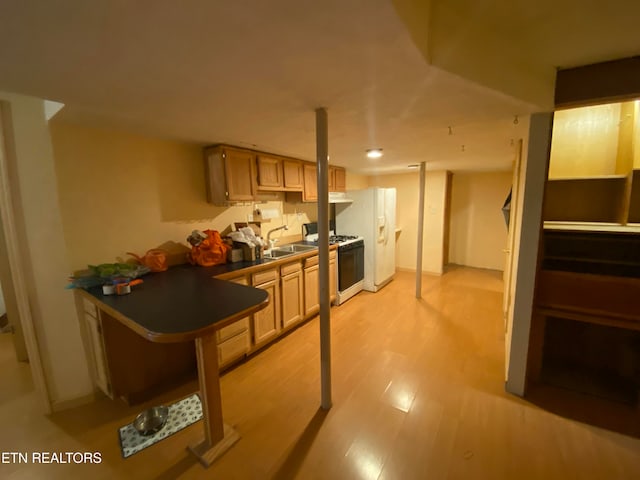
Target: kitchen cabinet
column 333, row 275
column 310, row 192
column 270, row 173
column 95, row 344
column 279, row 174
column 311, row 282
column 266, row 322
column 293, row 175
column 230, row 175
column 292, row 293
column 124, row 364
column 337, row 179
column 233, row 340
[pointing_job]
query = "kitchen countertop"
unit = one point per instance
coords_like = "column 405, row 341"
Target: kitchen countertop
column 181, row 304
column 187, row 301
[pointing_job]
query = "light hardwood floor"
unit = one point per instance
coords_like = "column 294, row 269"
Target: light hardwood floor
column 418, row 394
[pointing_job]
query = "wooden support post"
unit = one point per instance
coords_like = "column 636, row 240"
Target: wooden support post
column 218, row 437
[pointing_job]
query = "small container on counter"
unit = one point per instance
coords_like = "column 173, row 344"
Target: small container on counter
column 235, row 255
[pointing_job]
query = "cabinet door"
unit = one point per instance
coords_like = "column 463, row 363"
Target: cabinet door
column 333, row 278
column 99, row 357
column 332, row 179
column 240, row 173
column 269, row 173
column 339, row 179
column 266, row 322
column 311, row 296
column 292, row 292
column 233, row 348
column 310, row 193
column 293, row 175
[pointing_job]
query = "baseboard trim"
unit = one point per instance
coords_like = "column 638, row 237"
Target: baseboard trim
column 413, row 270
column 61, row 405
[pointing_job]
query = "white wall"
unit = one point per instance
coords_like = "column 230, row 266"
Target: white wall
column 36, row 203
column 125, row 192
column 478, row 232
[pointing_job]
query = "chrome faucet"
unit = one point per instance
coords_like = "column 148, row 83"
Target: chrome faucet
column 273, row 242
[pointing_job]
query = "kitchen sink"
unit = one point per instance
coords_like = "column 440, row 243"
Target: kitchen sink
column 274, row 253
column 287, row 250
column 295, row 248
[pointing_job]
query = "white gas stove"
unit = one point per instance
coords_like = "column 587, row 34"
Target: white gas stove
column 350, row 260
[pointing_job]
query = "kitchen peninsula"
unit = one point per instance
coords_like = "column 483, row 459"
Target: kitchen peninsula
column 143, row 343
column 186, row 304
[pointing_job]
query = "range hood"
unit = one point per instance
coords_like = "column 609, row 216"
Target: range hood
column 339, row 197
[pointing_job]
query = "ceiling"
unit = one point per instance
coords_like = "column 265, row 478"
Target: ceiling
column 392, row 74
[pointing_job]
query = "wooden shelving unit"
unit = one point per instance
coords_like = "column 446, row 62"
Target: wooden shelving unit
column 634, row 197
column 587, row 199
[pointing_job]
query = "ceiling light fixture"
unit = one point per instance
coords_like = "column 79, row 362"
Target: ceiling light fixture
column 413, row 165
column 374, row 153
column 515, row 120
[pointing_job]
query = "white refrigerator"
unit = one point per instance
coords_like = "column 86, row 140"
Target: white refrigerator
column 372, row 215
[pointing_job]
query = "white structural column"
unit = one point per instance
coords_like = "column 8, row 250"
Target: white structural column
column 322, row 166
column 420, row 231
column 532, row 184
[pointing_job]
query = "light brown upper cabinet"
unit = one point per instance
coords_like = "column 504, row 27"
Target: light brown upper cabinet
column 279, row 174
column 230, row 175
column 310, row 192
column 270, row 173
column 337, row 179
column 293, row 175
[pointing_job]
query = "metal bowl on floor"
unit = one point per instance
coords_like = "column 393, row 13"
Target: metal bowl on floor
column 151, row 421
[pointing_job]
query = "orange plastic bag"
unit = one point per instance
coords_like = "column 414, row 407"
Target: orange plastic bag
column 211, row 251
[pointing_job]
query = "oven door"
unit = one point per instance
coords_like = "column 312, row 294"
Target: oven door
column 350, row 264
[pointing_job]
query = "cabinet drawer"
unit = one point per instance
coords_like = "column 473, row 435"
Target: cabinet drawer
column 233, row 348
column 264, row 276
column 310, row 261
column 240, row 280
column 332, row 254
column 601, row 295
column 235, row 328
column 290, row 268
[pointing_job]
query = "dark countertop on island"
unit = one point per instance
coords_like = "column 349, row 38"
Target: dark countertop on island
column 188, row 301
column 181, row 304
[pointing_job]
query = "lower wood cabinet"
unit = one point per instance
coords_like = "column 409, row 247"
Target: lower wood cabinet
column 234, row 341
column 333, row 275
column 236, row 346
column 311, row 282
column 266, row 322
column 292, row 291
column 96, row 348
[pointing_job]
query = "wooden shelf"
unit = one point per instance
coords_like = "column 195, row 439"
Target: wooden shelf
column 588, row 199
column 634, row 198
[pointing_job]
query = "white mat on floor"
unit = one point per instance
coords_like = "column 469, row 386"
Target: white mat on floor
column 181, row 415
